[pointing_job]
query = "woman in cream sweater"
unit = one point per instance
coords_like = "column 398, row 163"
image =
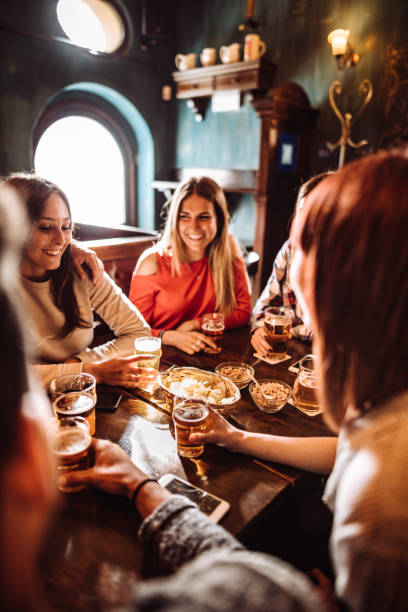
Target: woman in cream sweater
column 61, row 305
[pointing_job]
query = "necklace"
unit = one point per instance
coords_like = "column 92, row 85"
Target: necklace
column 199, row 273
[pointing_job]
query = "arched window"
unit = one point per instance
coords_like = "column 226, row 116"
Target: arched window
column 82, row 157
column 98, row 148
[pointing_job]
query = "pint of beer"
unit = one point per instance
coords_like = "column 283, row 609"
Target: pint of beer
column 76, row 404
column 72, row 382
column 190, row 416
column 149, row 345
column 304, row 388
column 70, row 446
column 277, row 329
column 212, row 325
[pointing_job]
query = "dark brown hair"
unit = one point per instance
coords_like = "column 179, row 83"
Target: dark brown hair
column 353, row 230
column 34, row 192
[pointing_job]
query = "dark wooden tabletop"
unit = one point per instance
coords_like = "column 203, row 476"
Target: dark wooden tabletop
column 92, row 545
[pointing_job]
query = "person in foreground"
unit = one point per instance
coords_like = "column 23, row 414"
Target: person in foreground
column 61, row 304
column 210, row 570
column 196, row 268
column 278, row 291
column 349, row 272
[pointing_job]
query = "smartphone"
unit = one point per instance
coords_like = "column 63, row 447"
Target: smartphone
column 211, row 505
column 107, row 399
column 294, row 368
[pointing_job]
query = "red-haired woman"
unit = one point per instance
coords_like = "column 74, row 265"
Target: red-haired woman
column 349, row 272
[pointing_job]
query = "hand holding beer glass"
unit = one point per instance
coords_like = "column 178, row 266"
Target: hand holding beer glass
column 212, row 325
column 304, row 388
column 277, row 329
column 70, row 445
column 190, row 416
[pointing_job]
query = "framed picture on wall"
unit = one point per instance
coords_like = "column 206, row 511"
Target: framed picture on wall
column 287, row 152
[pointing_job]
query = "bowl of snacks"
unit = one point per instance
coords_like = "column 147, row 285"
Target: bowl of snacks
column 240, row 373
column 192, row 383
column 271, row 395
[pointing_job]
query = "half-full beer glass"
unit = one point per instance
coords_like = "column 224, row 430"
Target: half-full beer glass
column 190, row 416
column 70, row 445
column 304, row 389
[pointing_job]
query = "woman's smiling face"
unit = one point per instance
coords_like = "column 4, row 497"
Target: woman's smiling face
column 51, row 235
column 197, row 225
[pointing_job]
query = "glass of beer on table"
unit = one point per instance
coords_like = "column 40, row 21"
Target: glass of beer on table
column 277, row 329
column 68, row 383
column 212, row 325
column 190, row 416
column 304, row 388
column 70, row 445
column 149, row 345
column 75, row 404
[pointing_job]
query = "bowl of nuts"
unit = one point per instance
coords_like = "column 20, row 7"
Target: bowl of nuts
column 236, row 371
column 271, row 395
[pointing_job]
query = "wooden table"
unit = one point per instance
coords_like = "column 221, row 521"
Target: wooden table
column 92, row 548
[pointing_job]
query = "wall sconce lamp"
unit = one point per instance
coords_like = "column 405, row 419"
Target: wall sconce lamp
column 342, row 49
column 346, row 58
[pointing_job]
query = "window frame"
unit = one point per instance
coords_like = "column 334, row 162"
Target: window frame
column 86, row 106
column 128, row 34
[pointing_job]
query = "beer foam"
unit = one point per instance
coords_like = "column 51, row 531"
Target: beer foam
column 148, row 345
column 71, row 442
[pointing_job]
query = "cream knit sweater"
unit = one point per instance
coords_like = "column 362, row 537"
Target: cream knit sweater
column 45, row 321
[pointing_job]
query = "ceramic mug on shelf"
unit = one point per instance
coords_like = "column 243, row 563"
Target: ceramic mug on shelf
column 208, row 56
column 185, row 62
column 254, row 47
column 230, row 54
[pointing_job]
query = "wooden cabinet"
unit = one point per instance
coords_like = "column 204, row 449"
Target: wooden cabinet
column 287, row 121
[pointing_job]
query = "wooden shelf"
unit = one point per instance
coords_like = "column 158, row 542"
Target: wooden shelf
column 243, row 76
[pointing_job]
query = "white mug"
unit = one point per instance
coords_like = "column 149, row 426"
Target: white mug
column 185, row 62
column 208, row 56
column 254, row 47
column 230, row 54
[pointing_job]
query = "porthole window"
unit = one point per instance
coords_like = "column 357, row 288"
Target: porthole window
column 82, row 157
column 93, row 24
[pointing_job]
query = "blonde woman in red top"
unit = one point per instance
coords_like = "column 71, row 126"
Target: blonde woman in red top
column 197, row 267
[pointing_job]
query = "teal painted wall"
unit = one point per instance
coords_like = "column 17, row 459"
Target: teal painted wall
column 295, row 32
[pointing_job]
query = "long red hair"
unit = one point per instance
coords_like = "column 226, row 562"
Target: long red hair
column 353, row 231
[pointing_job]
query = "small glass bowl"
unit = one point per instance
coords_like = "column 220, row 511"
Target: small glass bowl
column 277, row 388
column 238, row 372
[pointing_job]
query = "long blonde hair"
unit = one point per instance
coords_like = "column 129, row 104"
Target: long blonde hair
column 218, row 251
